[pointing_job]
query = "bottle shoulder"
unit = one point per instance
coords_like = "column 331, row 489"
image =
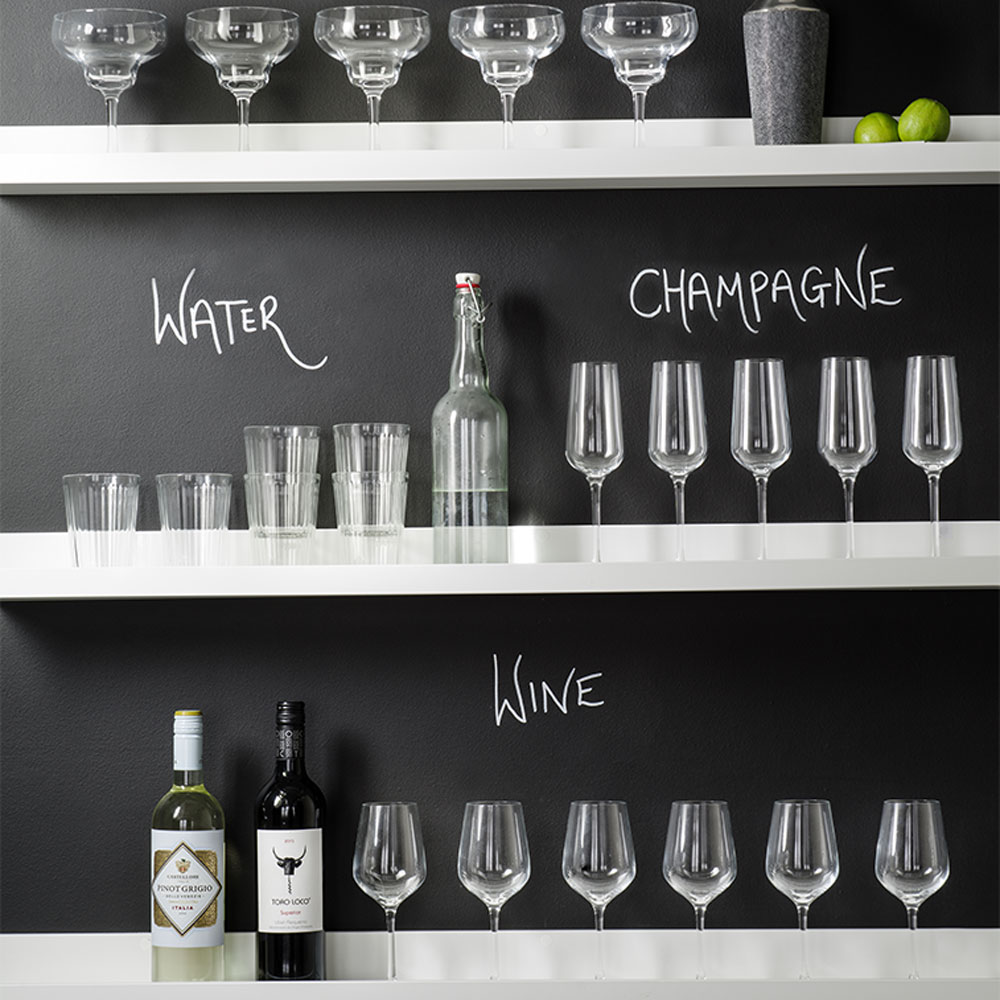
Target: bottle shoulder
column 188, row 808
column 470, row 401
column 289, row 797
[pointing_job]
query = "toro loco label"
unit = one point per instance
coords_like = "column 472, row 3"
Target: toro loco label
column 186, row 889
column 289, row 881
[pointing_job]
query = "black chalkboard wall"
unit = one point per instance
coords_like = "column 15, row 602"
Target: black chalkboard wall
column 854, row 696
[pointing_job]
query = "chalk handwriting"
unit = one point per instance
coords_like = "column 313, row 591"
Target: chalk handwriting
column 220, row 319
column 659, row 292
column 573, row 693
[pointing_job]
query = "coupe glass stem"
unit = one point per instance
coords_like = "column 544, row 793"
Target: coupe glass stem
column 848, row 482
column 243, row 110
column 762, row 513
column 507, row 105
column 639, row 117
column 679, row 515
column 390, row 926
column 699, row 926
column 495, row 937
column 111, row 103
column 933, row 487
column 599, row 928
column 595, row 516
column 374, row 103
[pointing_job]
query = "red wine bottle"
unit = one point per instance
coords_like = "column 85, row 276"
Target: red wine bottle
column 289, row 821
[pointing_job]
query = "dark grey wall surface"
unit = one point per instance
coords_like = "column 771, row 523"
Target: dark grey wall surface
column 855, row 697
column 882, row 56
column 367, row 280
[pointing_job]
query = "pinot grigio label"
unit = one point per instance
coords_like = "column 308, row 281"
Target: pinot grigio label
column 289, row 881
column 186, row 890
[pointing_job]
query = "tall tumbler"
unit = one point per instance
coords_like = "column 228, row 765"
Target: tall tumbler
column 786, row 43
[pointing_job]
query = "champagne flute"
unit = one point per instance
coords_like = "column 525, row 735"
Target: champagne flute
column 911, row 857
column 932, row 425
column 372, row 43
column 639, row 38
column 110, row 44
column 507, row 40
column 389, row 861
column 802, row 860
column 846, row 437
column 699, row 860
column 598, row 859
column 761, row 437
column 243, row 44
column 594, row 430
column 678, row 438
column 493, row 859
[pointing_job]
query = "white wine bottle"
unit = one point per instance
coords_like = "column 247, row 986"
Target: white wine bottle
column 188, row 867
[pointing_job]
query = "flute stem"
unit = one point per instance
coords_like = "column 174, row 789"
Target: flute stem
column 595, row 515
column 934, row 490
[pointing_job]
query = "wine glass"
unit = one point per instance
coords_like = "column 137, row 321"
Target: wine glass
column 389, row 861
column 678, row 438
column 594, row 430
column 639, row 38
column 493, row 859
column 911, row 857
column 846, row 437
column 242, row 44
column 372, row 43
column 110, row 44
column 507, row 40
column 699, row 860
column 932, row 425
column 598, row 858
column 761, row 437
column 802, row 860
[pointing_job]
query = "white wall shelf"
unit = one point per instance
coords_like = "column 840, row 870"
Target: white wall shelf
column 465, row 155
column 962, row 964
column 550, row 559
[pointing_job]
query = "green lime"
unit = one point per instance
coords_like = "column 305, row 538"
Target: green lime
column 876, row 127
column 924, row 121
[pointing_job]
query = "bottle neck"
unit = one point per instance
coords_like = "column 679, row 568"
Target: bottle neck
column 468, row 366
column 187, row 760
column 289, row 750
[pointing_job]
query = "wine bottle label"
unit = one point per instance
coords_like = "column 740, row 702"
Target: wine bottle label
column 289, row 881
column 187, row 888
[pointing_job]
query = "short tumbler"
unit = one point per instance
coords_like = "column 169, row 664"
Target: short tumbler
column 377, row 447
column 281, row 511
column 281, row 448
column 194, row 515
column 101, row 510
column 370, row 511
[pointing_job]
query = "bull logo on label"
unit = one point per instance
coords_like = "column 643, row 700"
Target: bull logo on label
column 288, row 865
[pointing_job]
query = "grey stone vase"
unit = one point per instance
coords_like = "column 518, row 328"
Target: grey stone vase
column 786, row 44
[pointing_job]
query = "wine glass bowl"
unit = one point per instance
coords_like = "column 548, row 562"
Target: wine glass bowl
column 639, row 39
column 110, row 44
column 242, row 45
column 507, row 40
column 372, row 42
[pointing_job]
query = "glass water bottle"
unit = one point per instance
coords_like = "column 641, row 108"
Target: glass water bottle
column 469, row 446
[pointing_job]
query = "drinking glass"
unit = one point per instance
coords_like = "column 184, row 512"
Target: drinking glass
column 292, row 448
column 194, row 515
column 101, row 513
column 281, row 513
column 389, row 861
column 371, row 447
column 846, row 437
column 699, row 860
column 594, row 443
column 639, row 38
column 372, row 43
column 493, row 859
column 507, row 40
column 598, row 858
column 242, row 44
column 678, row 438
column 761, row 437
column 110, row 44
column 932, row 425
column 802, row 860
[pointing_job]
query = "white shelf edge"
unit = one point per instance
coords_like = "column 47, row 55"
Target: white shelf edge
column 464, row 155
column 545, row 559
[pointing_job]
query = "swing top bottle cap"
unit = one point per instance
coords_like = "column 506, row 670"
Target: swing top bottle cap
column 467, row 278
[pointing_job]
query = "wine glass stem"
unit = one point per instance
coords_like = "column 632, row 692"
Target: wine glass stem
column 848, row 482
column 762, row 513
column 639, row 117
column 679, row 515
column 803, row 912
column 699, row 926
column 390, row 926
column 599, row 928
column 911, row 923
column 111, row 103
column 495, row 936
column 595, row 516
column 243, row 111
column 933, row 488
column 374, row 103
column 507, row 106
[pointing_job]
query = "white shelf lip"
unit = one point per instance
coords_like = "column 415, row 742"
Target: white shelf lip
column 544, row 560
column 702, row 152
